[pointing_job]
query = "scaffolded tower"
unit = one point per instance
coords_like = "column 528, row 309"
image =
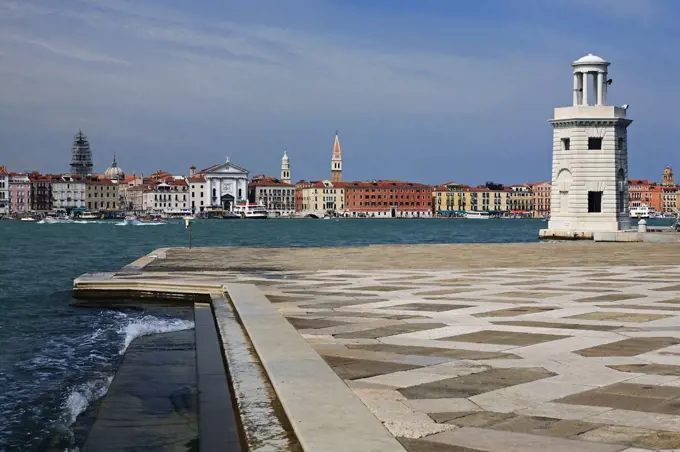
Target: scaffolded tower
column 81, row 156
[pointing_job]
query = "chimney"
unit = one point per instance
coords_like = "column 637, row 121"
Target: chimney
column 192, row 171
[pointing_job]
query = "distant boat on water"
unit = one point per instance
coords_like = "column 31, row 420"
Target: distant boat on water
column 477, row 215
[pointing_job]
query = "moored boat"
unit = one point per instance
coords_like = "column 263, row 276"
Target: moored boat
column 251, row 210
column 89, row 216
column 477, row 215
column 642, row 211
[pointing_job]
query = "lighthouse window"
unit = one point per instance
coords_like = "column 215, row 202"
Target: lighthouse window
column 594, row 201
column 565, row 144
column 594, row 143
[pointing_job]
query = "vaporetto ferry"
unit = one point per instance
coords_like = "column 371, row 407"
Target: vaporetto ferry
column 251, row 210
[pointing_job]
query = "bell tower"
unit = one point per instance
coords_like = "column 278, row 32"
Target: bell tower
column 285, row 168
column 336, row 161
column 590, row 158
column 667, row 179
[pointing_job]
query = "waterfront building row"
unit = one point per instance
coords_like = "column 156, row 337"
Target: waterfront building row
column 375, row 199
column 528, row 200
column 220, row 187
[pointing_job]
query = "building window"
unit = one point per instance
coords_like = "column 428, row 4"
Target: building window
column 565, row 144
column 594, row 143
column 620, row 144
column 594, row 201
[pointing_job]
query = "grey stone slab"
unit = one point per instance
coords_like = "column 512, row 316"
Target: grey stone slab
column 152, row 401
column 655, row 369
column 352, row 369
column 423, row 445
column 557, row 325
column 629, row 347
column 324, row 413
column 503, row 337
column 456, row 353
column 430, row 307
column 499, row 441
column 217, row 419
column 308, row 324
column 390, row 330
column 474, row 384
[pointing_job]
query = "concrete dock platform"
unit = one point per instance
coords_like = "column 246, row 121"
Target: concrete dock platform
column 564, row 346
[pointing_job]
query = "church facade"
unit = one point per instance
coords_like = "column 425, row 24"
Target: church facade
column 226, row 184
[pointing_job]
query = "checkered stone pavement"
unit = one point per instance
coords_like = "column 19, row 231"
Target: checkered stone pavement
column 497, row 359
column 500, row 359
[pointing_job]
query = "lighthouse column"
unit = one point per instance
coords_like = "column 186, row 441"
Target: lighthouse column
column 600, row 88
column 576, row 88
column 584, row 85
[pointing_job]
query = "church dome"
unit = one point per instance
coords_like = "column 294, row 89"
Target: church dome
column 114, row 172
column 285, row 157
column 590, row 59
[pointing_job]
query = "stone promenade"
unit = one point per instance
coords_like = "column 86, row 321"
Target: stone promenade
column 499, row 348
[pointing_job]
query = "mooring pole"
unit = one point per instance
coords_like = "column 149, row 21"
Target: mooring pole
column 187, row 225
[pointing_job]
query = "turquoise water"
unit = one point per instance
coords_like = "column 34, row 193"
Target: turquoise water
column 56, row 359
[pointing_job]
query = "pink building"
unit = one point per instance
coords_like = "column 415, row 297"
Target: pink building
column 19, row 193
column 4, row 191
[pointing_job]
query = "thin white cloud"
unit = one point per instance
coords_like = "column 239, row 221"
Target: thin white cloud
column 68, row 50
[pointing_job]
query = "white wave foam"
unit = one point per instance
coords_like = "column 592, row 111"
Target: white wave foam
column 81, row 396
column 139, row 223
column 151, row 325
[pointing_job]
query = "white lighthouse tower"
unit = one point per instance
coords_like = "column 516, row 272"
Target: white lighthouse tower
column 285, row 168
column 590, row 158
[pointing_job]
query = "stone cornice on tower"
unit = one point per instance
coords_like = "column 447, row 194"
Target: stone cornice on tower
column 596, row 122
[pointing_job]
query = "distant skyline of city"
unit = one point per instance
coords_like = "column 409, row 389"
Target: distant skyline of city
column 427, row 92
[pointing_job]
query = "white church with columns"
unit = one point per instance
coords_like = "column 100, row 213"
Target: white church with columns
column 590, row 158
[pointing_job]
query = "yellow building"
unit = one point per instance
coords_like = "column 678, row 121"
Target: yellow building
column 456, row 199
column 102, row 195
column 320, row 196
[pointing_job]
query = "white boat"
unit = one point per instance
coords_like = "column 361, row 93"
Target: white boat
column 89, row 216
column 640, row 212
column 477, row 215
column 29, row 219
column 251, row 210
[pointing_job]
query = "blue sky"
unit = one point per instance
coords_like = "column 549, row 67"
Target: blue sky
column 421, row 90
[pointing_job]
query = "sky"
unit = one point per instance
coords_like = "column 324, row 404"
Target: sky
column 419, row 90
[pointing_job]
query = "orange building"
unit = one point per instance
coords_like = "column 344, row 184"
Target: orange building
column 643, row 192
column 387, row 199
column 541, row 192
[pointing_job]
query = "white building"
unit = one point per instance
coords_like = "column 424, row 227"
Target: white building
column 68, row 193
column 590, row 158
column 226, row 184
column 198, row 192
column 278, row 197
column 170, row 197
column 5, row 201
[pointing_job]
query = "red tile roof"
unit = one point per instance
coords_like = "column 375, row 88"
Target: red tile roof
column 3, row 170
column 100, row 182
column 264, row 181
